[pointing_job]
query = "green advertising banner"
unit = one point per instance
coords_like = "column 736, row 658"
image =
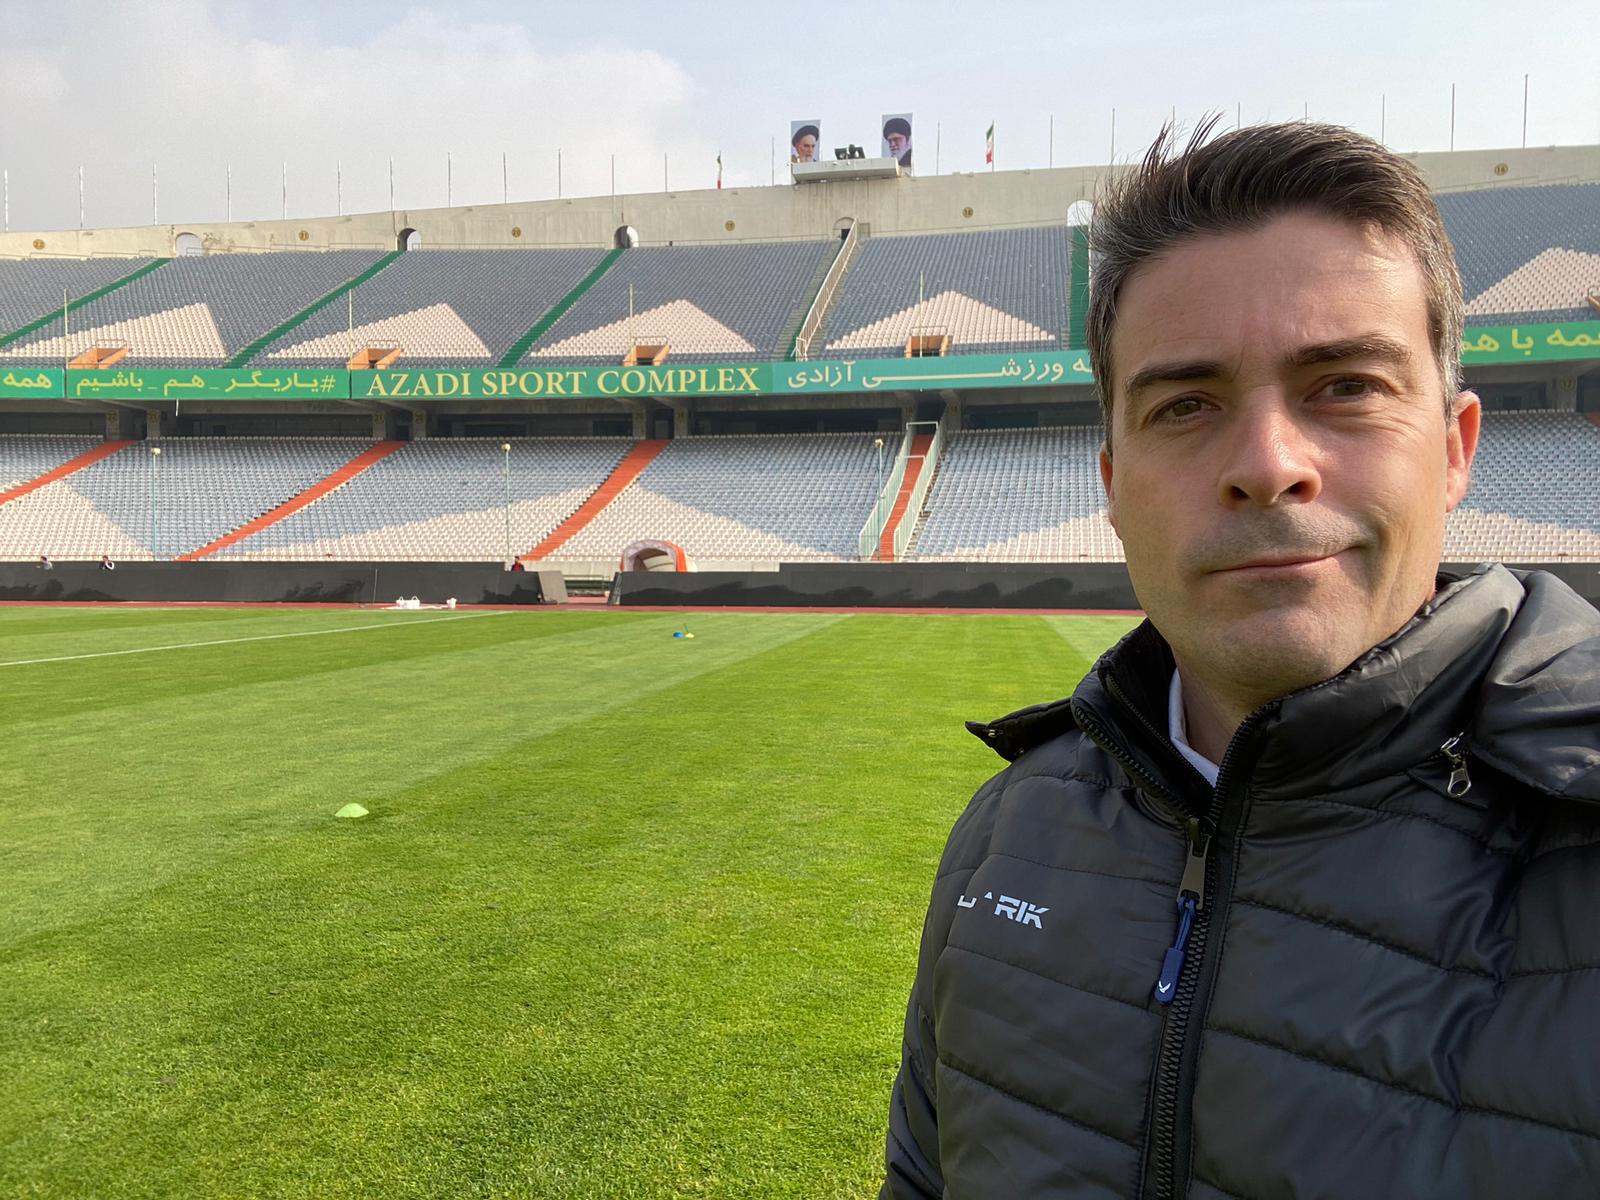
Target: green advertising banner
column 28, row 382
column 1041, row 369
column 140, row 384
column 1485, row 344
column 713, row 380
column 595, row 383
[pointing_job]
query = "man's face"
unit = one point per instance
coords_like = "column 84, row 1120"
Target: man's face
column 898, row 143
column 1280, row 463
column 806, row 149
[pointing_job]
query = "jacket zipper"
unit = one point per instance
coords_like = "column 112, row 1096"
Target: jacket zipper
column 1191, row 898
column 1180, row 967
column 1102, row 738
column 1184, row 961
column 1460, row 782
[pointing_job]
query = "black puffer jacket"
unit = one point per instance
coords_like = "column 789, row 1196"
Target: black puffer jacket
column 1386, row 990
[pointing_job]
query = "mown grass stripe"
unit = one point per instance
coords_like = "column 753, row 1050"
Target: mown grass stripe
column 87, row 298
column 627, row 907
column 259, row 637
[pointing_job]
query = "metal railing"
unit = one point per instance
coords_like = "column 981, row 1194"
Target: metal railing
column 812, row 325
column 867, row 541
column 870, row 540
column 919, row 491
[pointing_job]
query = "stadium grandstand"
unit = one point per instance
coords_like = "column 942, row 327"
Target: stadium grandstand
column 872, row 370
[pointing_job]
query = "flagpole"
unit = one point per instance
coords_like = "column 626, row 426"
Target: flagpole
column 1524, row 112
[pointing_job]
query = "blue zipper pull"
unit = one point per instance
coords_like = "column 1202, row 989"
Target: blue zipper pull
column 1191, row 895
column 1172, row 964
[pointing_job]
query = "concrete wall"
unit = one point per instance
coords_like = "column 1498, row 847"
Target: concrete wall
column 269, row 583
column 1102, row 586
column 905, row 205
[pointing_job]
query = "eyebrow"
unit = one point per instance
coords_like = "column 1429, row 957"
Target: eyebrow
column 1368, row 345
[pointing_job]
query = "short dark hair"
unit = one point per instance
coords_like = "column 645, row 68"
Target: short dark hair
column 1243, row 179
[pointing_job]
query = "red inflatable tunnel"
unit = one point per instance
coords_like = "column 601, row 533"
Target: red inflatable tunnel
column 653, row 555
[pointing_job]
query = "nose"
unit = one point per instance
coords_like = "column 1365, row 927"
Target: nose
column 1270, row 461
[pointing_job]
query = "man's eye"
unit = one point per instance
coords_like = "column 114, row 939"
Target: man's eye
column 1178, row 409
column 1346, row 389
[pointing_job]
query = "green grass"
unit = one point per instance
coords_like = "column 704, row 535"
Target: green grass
column 632, row 916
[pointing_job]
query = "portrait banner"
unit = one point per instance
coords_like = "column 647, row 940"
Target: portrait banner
column 804, row 139
column 897, row 138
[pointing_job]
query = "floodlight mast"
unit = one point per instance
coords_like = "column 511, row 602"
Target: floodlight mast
column 877, row 545
column 155, row 506
column 505, row 480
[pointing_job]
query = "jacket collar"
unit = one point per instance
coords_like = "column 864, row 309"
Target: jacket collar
column 1510, row 659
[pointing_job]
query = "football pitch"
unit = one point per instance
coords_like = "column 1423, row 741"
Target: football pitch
column 631, row 915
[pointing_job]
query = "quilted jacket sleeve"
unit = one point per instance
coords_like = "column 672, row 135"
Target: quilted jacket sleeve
column 913, row 1143
column 912, row 1147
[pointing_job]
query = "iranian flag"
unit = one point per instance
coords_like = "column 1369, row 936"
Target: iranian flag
column 988, row 145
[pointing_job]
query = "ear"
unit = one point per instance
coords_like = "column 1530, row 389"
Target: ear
column 1105, row 480
column 1461, row 443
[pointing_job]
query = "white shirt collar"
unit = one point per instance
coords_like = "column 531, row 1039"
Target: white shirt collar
column 1177, row 729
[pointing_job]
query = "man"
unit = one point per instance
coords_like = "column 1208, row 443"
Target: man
column 897, row 140
column 1296, row 895
column 803, row 144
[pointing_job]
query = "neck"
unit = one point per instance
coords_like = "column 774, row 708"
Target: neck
column 1210, row 718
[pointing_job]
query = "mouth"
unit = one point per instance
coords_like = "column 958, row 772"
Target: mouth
column 1284, row 565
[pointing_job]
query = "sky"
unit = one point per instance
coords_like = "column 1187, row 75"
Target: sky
column 327, row 92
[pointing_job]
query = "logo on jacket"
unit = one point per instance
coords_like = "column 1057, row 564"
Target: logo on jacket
column 1010, row 907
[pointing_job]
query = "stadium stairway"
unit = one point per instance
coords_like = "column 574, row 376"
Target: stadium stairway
column 358, row 464
column 71, row 466
column 916, row 463
column 632, row 465
column 524, row 343
column 57, row 314
column 300, row 318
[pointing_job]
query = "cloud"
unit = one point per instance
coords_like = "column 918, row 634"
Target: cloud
column 166, row 82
